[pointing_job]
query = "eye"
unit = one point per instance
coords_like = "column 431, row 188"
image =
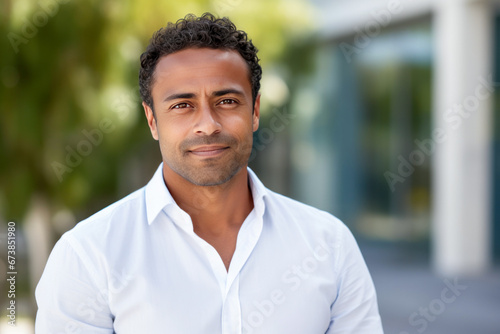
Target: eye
column 227, row 101
column 180, row 106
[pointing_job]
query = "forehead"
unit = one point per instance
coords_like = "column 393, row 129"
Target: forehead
column 201, row 65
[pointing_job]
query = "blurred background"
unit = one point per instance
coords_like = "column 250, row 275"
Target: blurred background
column 384, row 113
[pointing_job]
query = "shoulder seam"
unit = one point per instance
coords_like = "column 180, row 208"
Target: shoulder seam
column 76, row 247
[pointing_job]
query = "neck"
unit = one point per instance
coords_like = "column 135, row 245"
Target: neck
column 214, row 210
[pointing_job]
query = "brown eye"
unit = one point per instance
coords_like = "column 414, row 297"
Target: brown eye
column 180, row 106
column 227, row 101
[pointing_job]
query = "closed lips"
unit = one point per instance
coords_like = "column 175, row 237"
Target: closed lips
column 209, row 148
column 208, row 151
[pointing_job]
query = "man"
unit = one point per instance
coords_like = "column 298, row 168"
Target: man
column 205, row 247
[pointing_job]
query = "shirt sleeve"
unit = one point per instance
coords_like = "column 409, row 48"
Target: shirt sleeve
column 68, row 295
column 355, row 310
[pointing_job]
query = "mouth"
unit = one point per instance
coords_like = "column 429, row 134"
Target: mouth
column 209, row 150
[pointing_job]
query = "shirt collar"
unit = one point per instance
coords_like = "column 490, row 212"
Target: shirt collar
column 259, row 191
column 158, row 197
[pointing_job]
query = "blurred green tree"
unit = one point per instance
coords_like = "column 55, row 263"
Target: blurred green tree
column 71, row 126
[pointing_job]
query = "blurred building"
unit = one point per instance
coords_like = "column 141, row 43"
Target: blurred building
column 396, row 132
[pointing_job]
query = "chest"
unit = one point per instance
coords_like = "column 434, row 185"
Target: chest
column 279, row 288
column 224, row 244
column 259, row 302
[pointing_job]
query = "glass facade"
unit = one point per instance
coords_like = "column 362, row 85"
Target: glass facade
column 365, row 136
column 496, row 145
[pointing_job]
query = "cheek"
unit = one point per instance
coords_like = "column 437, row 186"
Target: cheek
column 169, row 137
column 244, row 134
column 241, row 124
column 241, row 130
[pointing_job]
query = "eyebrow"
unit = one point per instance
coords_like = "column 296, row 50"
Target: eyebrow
column 226, row 92
column 179, row 96
column 217, row 93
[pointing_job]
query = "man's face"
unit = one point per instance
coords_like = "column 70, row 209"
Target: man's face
column 204, row 122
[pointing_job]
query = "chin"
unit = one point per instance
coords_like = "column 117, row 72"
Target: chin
column 211, row 178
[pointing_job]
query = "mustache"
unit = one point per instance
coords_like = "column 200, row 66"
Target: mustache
column 214, row 139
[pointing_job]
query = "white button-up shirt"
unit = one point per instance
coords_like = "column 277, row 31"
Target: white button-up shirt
column 138, row 267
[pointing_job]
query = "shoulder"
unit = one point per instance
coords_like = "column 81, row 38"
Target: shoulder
column 307, row 228
column 289, row 206
column 122, row 214
column 310, row 220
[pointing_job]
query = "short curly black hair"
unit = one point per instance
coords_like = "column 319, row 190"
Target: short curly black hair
column 205, row 31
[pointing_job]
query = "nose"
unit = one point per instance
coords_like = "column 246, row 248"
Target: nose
column 206, row 122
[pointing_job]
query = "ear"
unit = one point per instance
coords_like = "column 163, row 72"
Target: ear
column 151, row 120
column 256, row 114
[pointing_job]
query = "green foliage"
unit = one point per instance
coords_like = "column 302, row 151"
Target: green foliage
column 67, row 66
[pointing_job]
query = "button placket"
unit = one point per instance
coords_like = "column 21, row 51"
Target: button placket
column 231, row 310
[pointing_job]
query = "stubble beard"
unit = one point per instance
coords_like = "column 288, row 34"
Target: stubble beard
column 213, row 171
